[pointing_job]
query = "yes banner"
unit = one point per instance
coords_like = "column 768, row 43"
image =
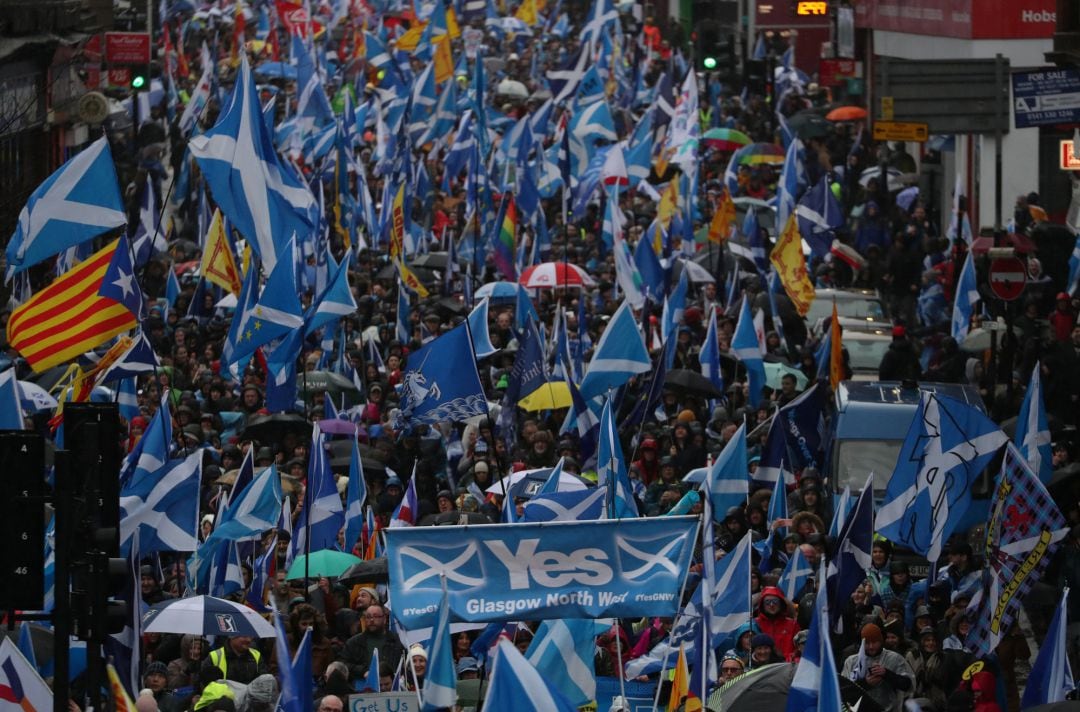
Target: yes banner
column 608, row 568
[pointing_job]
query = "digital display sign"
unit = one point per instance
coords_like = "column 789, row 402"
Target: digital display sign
column 810, row 7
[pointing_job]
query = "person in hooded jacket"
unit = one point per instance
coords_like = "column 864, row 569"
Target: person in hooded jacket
column 183, row 672
column 775, row 620
column 901, row 361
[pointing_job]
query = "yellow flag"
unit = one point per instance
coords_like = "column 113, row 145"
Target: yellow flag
column 526, row 12
column 680, row 683
column 451, row 24
column 408, row 41
column 444, row 59
column 397, row 225
column 669, row 203
column 121, row 699
column 410, row 280
column 218, row 265
column 787, row 258
column 836, row 351
column 723, row 219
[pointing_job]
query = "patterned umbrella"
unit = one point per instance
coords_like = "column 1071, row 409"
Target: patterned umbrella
column 205, row 615
column 549, row 275
column 759, row 153
column 723, row 139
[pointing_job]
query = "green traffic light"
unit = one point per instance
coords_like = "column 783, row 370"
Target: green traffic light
column 709, row 62
column 138, row 81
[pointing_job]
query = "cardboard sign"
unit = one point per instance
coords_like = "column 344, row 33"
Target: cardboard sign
column 384, row 702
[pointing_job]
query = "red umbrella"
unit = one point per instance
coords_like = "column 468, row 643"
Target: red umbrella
column 846, row 113
column 549, row 275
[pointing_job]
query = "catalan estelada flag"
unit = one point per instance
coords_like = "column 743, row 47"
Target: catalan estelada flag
column 121, row 699
column 69, row 317
column 506, row 240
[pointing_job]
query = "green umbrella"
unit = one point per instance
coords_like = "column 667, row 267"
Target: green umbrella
column 327, row 563
column 775, row 371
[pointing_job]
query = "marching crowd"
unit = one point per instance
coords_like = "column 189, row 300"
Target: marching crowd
column 911, row 631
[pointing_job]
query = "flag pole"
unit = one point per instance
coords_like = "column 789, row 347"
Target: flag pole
column 618, row 653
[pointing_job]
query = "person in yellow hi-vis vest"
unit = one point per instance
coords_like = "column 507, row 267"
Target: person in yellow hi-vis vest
column 237, row 660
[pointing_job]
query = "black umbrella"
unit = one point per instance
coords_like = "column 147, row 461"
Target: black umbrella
column 371, row 571
column 328, row 381
column 422, row 273
column 682, row 379
column 765, row 688
column 341, row 454
column 432, row 260
column 809, row 124
column 455, row 518
column 272, row 428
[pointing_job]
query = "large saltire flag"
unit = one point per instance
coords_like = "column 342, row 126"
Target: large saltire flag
column 70, row 316
column 787, row 258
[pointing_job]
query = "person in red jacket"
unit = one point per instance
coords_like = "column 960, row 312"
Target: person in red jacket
column 1062, row 318
column 775, row 620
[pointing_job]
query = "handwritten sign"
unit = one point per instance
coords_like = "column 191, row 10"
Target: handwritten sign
column 384, row 702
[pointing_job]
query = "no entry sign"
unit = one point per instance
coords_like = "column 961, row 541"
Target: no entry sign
column 1008, row 275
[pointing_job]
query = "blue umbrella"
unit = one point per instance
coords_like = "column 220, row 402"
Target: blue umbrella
column 205, row 615
column 498, row 290
column 275, row 70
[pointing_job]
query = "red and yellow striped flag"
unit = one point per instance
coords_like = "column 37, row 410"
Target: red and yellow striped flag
column 121, row 699
column 68, row 317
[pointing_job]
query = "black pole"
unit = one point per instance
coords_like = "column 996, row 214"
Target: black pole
column 61, row 577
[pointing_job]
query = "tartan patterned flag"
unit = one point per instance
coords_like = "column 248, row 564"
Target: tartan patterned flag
column 1022, row 533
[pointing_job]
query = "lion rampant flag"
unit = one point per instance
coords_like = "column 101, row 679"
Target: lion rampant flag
column 218, row 264
column 723, row 219
column 787, row 258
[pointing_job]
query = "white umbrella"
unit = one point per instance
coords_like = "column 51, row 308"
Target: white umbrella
column 696, row 273
column 205, row 615
column 567, row 481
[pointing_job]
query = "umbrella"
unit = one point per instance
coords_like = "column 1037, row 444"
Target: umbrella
column 327, row 562
column 341, row 453
column 370, row 571
column 846, row 113
column 528, row 478
column 424, row 274
column 432, row 260
column 272, row 428
column 550, row 396
column 512, row 87
column 454, row 519
column 765, row 688
column 205, row 615
column 978, row 340
column 694, row 272
column 725, row 139
column 275, row 70
column 328, row 381
column 549, row 275
column 682, row 379
column 498, row 290
column 759, row 153
column 809, row 124
column 896, row 179
column 775, row 371
column 907, row 196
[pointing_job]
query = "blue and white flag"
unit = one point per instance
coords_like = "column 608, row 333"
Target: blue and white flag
column 163, row 505
column 402, row 315
column 819, row 214
column 440, row 381
column 11, row 416
column 119, row 283
column 259, row 195
column 78, row 202
column 746, row 348
column 967, row 294
column 795, row 575
column 276, row 314
column 440, row 679
column 137, row 360
column 335, row 302
column 355, row 497
column 947, row 445
column 710, row 355
column 152, row 449
column 517, row 685
column 371, row 682
column 255, row 510
column 564, row 81
column 620, row 355
column 816, row 686
column 322, row 514
column 1051, row 676
column 1033, row 431
column 562, row 651
column 792, row 181
column 727, row 483
column 611, row 468
column 847, row 567
column 478, row 327
column 576, row 506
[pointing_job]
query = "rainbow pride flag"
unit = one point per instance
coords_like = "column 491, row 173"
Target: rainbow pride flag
column 506, row 239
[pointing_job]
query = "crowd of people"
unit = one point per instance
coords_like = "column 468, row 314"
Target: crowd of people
column 911, row 631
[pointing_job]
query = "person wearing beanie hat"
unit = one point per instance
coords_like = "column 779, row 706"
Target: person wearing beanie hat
column 731, row 666
column 930, row 668
column 884, row 675
column 155, row 679
column 901, row 361
column 763, row 651
column 417, row 666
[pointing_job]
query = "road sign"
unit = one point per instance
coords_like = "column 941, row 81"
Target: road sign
column 127, row 48
column 887, row 108
column 901, row 131
column 1046, row 97
column 963, row 96
column 1008, row 275
column 1067, row 159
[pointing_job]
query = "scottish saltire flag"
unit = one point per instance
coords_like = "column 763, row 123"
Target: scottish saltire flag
column 371, row 682
column 322, row 514
column 260, row 571
column 276, row 314
column 226, row 577
column 440, row 679
column 564, row 82
column 745, row 347
column 577, row 506
column 778, row 510
column 20, row 684
column 11, row 417
column 562, row 652
column 163, row 505
column 727, row 483
column 441, row 383
column 138, row 359
column 709, row 357
column 685, row 128
column 1032, row 431
column 946, row 447
column 408, row 510
column 509, row 510
column 816, row 685
column 1074, row 268
column 626, row 272
column 255, row 510
column 847, row 567
column 844, row 505
column 335, row 302
column 356, row 495
column 78, row 202
column 1051, row 676
column 792, row 181
column 200, row 95
column 292, row 699
column 402, row 322
column 649, row 268
column 611, row 468
column 795, row 575
column 312, row 105
column 751, row 230
column 619, row 355
column 152, row 449
column 517, row 685
column 730, row 598
column 674, row 308
column 1024, row 530
column 967, row 294
column 259, row 195
column 819, row 214
column 478, row 328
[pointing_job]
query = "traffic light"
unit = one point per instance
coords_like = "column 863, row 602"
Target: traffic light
column 138, row 82
column 22, row 560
